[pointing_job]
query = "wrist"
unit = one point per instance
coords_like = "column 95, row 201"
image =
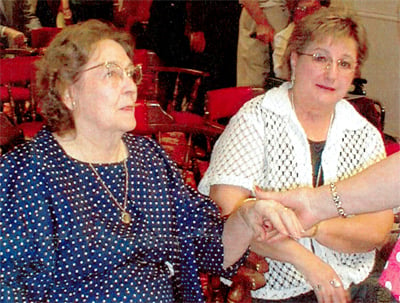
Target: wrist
column 243, row 212
column 314, row 231
column 336, row 200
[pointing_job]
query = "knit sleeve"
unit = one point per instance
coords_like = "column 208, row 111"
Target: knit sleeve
column 238, row 155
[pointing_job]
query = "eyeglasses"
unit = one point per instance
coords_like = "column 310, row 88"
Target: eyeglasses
column 325, row 62
column 117, row 73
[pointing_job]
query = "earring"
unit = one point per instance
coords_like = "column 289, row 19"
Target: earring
column 68, row 97
column 293, row 78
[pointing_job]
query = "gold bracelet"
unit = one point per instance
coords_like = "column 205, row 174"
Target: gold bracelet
column 249, row 199
column 314, row 234
column 336, row 200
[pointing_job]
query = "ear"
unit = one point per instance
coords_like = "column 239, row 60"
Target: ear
column 68, row 98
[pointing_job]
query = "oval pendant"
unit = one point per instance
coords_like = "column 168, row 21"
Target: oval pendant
column 125, row 217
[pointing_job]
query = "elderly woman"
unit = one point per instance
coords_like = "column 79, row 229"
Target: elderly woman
column 305, row 134
column 89, row 213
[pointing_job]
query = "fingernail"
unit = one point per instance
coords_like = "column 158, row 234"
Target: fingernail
column 257, row 188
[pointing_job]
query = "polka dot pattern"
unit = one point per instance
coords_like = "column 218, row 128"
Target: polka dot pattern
column 62, row 238
column 390, row 277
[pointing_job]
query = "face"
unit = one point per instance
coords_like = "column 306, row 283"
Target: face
column 304, row 8
column 105, row 99
column 325, row 79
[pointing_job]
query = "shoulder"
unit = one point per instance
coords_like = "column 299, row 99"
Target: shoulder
column 350, row 119
column 275, row 100
column 141, row 144
column 29, row 155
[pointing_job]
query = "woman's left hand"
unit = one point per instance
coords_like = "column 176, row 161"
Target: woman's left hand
column 327, row 285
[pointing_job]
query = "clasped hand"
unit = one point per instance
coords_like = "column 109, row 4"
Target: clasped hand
column 272, row 223
column 265, row 216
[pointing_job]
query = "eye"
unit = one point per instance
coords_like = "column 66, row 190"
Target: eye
column 345, row 64
column 113, row 71
column 317, row 57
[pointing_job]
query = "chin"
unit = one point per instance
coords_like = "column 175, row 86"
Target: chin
column 131, row 126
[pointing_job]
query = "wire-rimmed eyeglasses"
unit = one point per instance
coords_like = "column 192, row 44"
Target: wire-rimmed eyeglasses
column 116, row 72
column 325, row 62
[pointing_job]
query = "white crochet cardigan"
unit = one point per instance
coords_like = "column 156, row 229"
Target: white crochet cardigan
column 264, row 144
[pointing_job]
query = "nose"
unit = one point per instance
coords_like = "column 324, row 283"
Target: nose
column 130, row 87
column 331, row 69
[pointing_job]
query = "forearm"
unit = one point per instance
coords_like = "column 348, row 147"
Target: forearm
column 228, row 197
column 255, row 11
column 285, row 249
column 361, row 233
column 253, row 220
column 374, row 189
column 236, row 238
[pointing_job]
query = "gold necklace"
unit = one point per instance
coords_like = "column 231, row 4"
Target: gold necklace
column 125, row 216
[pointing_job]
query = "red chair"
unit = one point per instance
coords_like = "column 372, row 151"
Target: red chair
column 225, row 102
column 167, row 126
column 166, row 90
column 41, row 37
column 148, row 59
column 17, row 80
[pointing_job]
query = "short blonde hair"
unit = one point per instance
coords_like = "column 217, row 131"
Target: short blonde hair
column 329, row 22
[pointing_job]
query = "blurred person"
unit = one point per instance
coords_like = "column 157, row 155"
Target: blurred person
column 17, row 19
column 75, row 11
column 304, row 133
column 91, row 213
column 176, row 32
column 46, row 11
column 221, row 34
column 259, row 21
column 298, row 9
column 133, row 16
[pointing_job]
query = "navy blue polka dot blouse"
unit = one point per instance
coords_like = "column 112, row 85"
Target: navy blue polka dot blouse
column 62, row 238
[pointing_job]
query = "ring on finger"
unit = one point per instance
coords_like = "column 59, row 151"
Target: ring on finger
column 335, row 283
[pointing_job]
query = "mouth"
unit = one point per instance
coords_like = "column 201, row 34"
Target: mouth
column 328, row 88
column 128, row 108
